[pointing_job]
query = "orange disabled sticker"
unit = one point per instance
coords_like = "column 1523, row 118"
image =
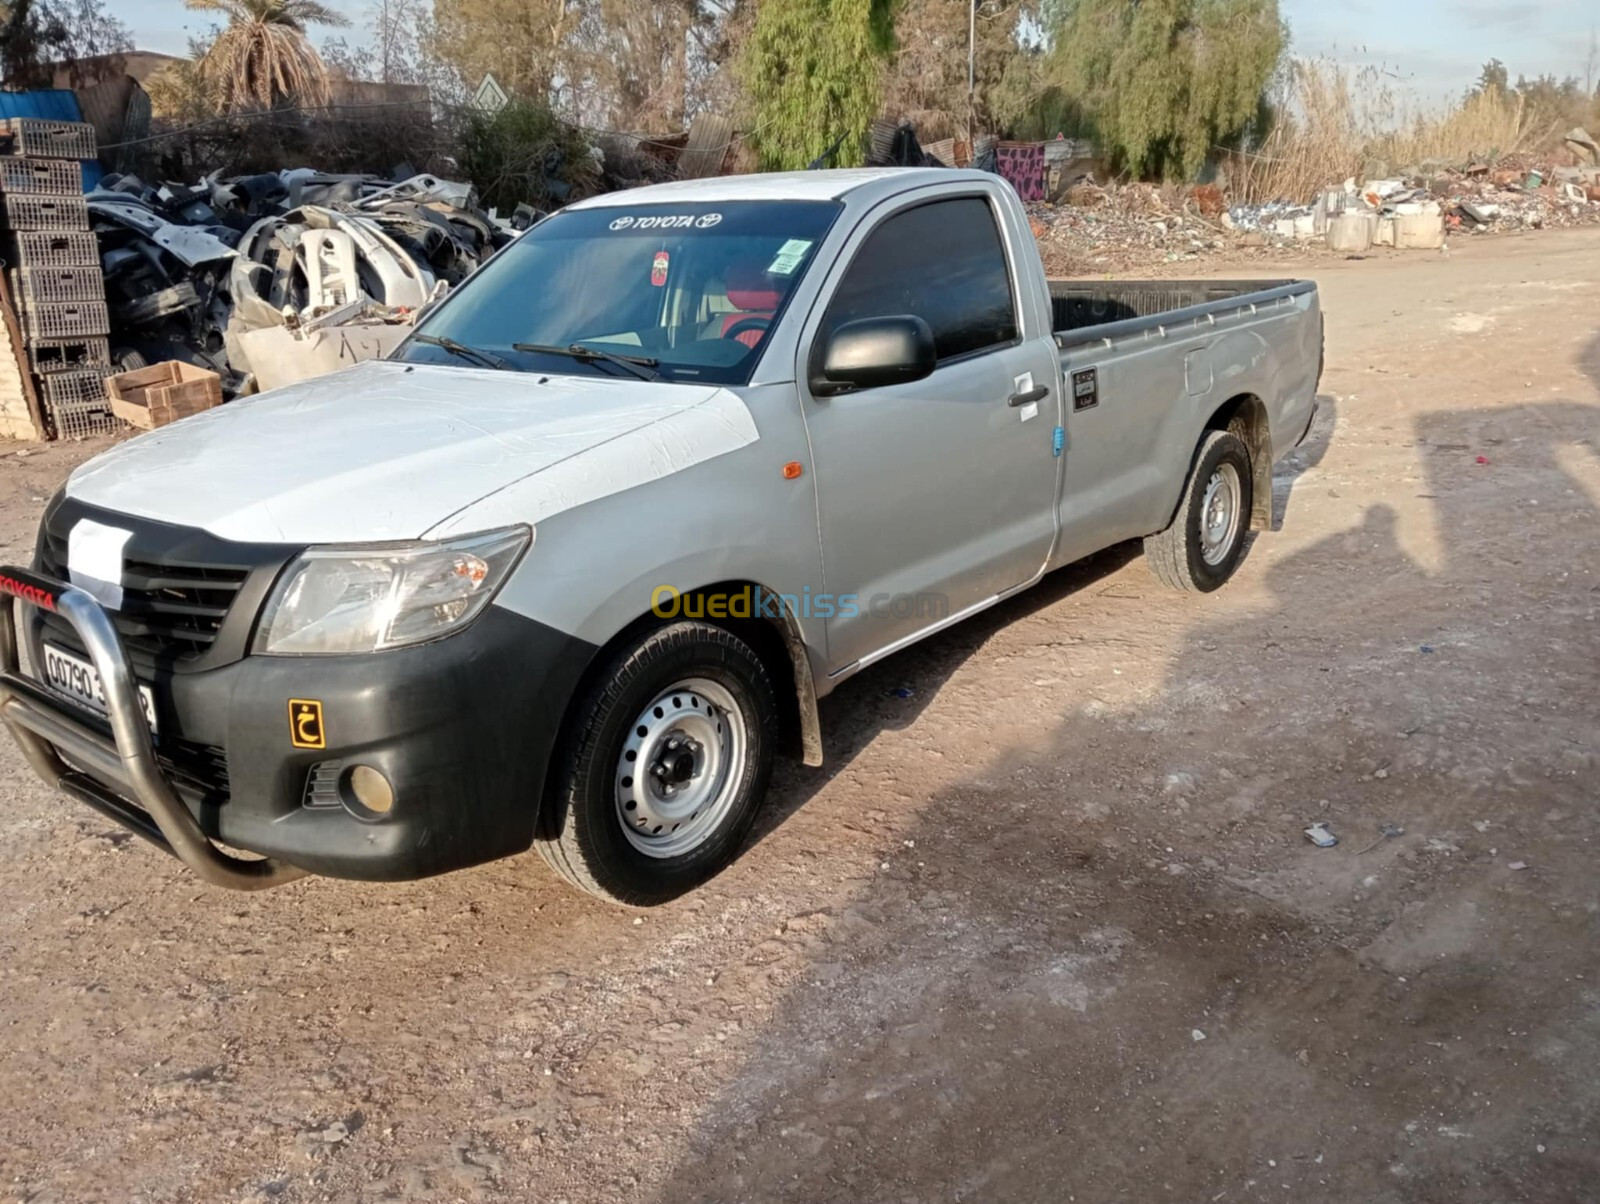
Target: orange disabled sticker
column 305, row 724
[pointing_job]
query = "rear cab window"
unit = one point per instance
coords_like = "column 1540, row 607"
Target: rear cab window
column 697, row 288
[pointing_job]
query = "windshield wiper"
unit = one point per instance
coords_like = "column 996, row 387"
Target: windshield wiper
column 461, row 349
column 641, row 366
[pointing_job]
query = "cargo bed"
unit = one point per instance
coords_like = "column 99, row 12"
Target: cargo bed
column 1079, row 306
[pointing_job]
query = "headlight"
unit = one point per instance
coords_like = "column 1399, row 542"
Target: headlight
column 337, row 600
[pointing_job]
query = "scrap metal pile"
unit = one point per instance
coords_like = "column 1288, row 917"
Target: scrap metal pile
column 272, row 278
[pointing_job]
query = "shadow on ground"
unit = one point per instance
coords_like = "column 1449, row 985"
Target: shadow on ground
column 892, row 695
column 1108, row 965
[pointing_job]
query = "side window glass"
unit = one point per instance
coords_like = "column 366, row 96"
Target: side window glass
column 942, row 262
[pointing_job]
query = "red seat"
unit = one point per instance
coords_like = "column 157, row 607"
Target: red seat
column 751, row 292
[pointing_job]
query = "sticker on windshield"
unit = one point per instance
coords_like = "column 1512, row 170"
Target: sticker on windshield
column 658, row 269
column 667, row 221
column 789, row 257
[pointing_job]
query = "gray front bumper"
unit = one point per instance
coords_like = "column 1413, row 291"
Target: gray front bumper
column 116, row 772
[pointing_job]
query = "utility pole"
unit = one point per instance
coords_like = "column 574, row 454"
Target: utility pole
column 385, row 38
column 972, row 73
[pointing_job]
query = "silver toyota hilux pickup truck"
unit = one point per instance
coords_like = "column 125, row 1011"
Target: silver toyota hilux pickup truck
column 577, row 562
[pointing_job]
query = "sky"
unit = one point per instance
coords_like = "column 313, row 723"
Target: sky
column 1434, row 47
column 1438, row 47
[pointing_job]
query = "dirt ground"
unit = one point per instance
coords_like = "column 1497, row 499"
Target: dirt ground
column 1047, row 929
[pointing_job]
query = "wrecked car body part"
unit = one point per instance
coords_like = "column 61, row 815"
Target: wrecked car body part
column 399, row 280
column 422, row 188
column 348, row 248
column 253, row 195
column 191, row 245
column 179, row 297
column 298, row 268
column 329, row 257
column 283, row 355
column 315, row 188
column 382, row 268
column 190, row 268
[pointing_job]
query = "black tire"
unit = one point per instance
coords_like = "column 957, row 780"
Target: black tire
column 1178, row 555
column 581, row 828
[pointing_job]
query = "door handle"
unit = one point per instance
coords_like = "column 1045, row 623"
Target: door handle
column 1037, row 393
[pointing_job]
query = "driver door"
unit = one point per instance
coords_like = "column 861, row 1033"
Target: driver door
column 937, row 496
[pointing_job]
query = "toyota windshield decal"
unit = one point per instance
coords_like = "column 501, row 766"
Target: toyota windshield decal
column 666, row 221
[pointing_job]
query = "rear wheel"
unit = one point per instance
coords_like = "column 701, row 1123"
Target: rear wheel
column 661, row 775
column 1202, row 547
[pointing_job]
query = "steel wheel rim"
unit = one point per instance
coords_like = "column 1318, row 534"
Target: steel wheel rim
column 1220, row 511
column 680, row 769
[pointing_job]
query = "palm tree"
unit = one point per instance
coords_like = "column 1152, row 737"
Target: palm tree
column 263, row 56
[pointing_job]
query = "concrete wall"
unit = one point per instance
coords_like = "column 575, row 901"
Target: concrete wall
column 15, row 421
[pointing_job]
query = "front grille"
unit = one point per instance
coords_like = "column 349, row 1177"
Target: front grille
column 201, row 768
column 170, row 612
column 197, row 771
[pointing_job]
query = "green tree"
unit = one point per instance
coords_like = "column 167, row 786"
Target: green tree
column 927, row 78
column 36, row 36
column 1553, row 105
column 1493, row 78
column 629, row 63
column 262, row 57
column 179, row 91
column 813, row 71
column 396, row 46
column 633, row 65
column 524, row 153
column 525, row 44
column 1163, row 82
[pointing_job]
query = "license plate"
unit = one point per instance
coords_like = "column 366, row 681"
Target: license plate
column 78, row 680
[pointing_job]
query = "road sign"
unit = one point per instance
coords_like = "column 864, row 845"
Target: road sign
column 490, row 96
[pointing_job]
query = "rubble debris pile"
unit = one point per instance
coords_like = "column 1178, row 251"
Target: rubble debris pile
column 1516, row 194
column 247, row 277
column 1519, row 194
column 1099, row 228
column 1116, row 227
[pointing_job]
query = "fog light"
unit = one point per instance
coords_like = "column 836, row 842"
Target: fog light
column 370, row 790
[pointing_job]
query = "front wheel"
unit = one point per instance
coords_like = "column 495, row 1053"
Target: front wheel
column 1202, row 547
column 662, row 773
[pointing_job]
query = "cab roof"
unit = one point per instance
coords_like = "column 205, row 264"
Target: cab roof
column 778, row 186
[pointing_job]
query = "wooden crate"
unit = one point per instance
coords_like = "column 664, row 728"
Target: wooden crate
column 163, row 393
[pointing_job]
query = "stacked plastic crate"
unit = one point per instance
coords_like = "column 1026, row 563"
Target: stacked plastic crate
column 56, row 281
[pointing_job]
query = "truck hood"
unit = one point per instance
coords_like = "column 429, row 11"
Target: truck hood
column 387, row 450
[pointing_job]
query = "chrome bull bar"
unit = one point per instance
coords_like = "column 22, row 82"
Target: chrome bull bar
column 120, row 776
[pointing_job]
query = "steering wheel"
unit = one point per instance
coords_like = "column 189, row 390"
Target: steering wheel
column 754, row 323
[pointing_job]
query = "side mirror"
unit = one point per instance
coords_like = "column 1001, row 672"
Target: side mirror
column 872, row 353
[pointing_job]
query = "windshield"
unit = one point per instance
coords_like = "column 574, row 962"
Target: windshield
column 684, row 292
